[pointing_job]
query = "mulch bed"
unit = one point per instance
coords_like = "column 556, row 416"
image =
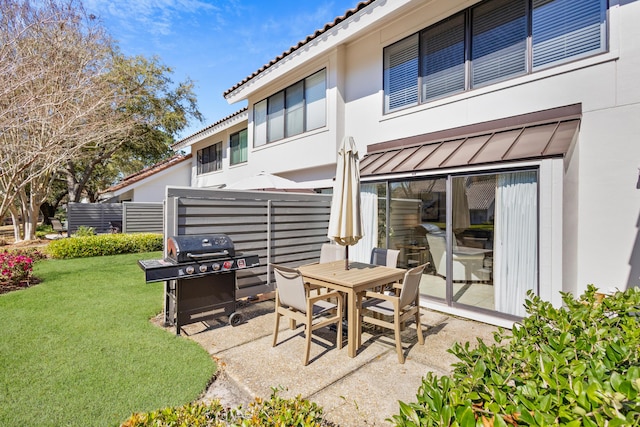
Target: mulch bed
column 9, row 287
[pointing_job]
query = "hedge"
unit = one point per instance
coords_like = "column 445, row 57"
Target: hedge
column 104, row 244
column 578, row 365
column 275, row 411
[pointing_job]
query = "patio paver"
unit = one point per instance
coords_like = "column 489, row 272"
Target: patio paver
column 353, row 391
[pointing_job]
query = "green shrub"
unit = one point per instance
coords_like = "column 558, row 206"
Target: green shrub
column 574, row 366
column 105, row 244
column 276, row 411
column 84, row 231
column 42, row 230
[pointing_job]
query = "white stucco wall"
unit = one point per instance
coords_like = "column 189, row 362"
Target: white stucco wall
column 601, row 242
column 590, row 203
column 152, row 189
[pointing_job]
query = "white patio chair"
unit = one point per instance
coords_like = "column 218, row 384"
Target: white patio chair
column 374, row 307
column 315, row 312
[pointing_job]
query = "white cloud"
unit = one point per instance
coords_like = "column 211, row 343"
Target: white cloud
column 153, row 17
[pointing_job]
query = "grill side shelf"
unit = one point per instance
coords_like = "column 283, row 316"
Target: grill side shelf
column 158, row 270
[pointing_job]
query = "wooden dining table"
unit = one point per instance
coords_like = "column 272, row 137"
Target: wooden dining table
column 358, row 278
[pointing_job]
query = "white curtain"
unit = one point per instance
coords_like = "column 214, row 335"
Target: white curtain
column 515, row 240
column 361, row 251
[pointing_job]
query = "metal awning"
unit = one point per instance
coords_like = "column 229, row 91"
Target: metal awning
column 548, row 133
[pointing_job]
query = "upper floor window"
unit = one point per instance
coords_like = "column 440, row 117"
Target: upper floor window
column 299, row 108
column 492, row 41
column 210, row 158
column 238, row 145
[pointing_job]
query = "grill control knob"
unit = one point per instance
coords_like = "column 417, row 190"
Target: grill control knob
column 190, row 269
column 203, row 269
column 215, row 266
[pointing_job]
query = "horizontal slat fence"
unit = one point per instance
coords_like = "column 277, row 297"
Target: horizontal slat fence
column 96, row 215
column 134, row 217
column 138, row 217
column 281, row 228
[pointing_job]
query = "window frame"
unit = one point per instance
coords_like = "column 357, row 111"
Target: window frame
column 239, row 147
column 212, row 164
column 264, row 133
column 468, row 65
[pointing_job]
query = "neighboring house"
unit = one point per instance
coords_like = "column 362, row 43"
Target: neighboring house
column 537, row 99
column 149, row 184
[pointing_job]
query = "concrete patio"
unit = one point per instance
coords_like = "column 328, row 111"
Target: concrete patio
column 359, row 391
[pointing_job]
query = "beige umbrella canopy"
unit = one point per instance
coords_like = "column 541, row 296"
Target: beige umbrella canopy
column 345, row 223
column 263, row 181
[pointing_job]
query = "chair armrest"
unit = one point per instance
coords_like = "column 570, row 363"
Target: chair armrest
column 371, row 294
column 321, row 297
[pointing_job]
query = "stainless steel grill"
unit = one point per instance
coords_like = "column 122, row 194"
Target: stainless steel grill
column 200, row 278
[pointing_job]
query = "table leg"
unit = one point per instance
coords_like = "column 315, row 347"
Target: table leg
column 352, row 322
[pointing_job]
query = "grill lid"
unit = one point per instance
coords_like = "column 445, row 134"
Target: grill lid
column 199, row 247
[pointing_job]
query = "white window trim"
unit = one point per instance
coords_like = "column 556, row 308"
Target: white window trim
column 550, row 236
column 497, row 87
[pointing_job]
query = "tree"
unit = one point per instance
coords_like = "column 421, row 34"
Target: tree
column 55, row 99
column 158, row 110
column 69, row 100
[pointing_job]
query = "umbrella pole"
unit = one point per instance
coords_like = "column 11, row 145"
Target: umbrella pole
column 346, row 259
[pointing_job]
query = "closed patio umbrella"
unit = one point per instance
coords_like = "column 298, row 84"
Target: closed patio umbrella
column 345, row 223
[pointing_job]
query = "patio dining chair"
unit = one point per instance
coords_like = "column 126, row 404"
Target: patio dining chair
column 332, row 252
column 315, row 312
column 386, row 257
column 376, row 307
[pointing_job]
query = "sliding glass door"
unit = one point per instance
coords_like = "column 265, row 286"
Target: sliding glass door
column 479, row 232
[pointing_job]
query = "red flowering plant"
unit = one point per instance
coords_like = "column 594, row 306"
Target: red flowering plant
column 16, row 268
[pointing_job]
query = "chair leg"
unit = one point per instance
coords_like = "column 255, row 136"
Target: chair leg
column 339, row 326
column 307, row 332
column 419, row 327
column 275, row 331
column 396, row 328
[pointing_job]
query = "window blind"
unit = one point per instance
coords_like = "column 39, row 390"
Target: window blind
column 563, row 29
column 498, row 45
column 260, row 123
column 295, row 109
column 443, row 58
column 401, row 74
column 275, row 117
column 315, row 88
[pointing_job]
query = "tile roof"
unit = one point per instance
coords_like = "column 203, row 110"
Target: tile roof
column 180, row 143
column 301, row 43
column 147, row 172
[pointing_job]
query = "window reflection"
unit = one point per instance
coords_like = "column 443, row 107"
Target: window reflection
column 492, row 255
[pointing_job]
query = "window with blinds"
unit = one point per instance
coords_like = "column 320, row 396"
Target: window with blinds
column 401, row 74
column 238, row 147
column 442, row 51
column 490, row 42
column 567, row 29
column 498, row 41
column 299, row 108
column 210, row 158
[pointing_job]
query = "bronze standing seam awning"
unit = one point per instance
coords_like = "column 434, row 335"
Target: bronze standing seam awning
column 548, row 133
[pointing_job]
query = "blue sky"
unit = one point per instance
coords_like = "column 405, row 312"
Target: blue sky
column 217, row 43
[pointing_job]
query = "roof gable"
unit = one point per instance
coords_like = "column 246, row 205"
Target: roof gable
column 148, row 172
column 301, row 43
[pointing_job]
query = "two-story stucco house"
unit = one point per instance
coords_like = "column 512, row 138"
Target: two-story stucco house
column 499, row 140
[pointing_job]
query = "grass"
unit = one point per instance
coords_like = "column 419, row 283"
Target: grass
column 79, row 350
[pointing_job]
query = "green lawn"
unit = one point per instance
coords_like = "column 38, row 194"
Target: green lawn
column 78, row 349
